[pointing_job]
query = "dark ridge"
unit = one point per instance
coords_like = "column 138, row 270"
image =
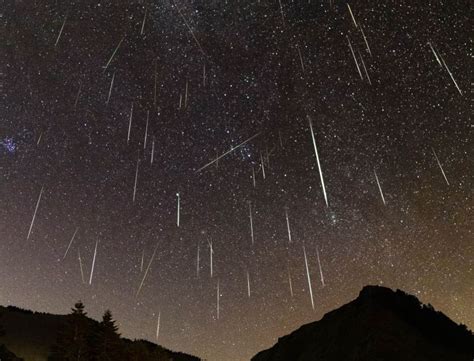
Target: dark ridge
column 380, row 325
column 32, row 336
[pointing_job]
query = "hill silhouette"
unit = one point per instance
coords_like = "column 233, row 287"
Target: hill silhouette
column 35, row 336
column 380, row 325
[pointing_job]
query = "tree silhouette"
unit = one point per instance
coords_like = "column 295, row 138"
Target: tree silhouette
column 79, row 309
column 107, row 344
column 71, row 344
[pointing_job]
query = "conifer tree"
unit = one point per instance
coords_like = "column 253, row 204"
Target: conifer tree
column 107, row 343
column 71, row 344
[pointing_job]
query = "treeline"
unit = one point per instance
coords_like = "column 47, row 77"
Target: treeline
column 82, row 338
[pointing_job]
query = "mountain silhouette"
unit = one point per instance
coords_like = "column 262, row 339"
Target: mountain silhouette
column 379, row 325
column 35, row 336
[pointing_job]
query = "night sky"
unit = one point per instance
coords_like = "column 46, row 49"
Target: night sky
column 208, row 75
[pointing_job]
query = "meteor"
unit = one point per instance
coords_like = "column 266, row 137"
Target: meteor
column 136, row 180
column 355, row 59
column 309, row 278
column 317, row 160
column 288, row 225
column 70, row 242
column 93, row 261
column 251, row 223
column 61, row 31
column 34, row 214
column 352, row 15
column 380, row 188
column 320, row 268
column 146, row 271
column 80, row 265
column 113, row 54
column 229, row 151
column 440, row 166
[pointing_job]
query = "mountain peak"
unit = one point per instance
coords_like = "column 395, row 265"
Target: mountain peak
column 380, row 324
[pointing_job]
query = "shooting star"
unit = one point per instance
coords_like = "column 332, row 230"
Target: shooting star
column 434, row 53
column 352, row 15
column 143, row 23
column 309, row 278
column 251, row 223
column 451, row 75
column 70, row 242
column 229, row 151
column 178, row 209
column 136, row 179
column 130, row 124
column 253, row 177
column 152, row 150
column 365, row 40
column 320, row 268
column 281, row 12
column 440, row 166
column 262, row 165
column 146, row 271
column 288, row 225
column 146, row 128
column 110, row 89
column 61, row 31
column 34, row 214
column 113, row 54
column 142, row 260
column 158, row 326
column 190, row 29
column 355, row 59
column 301, row 57
column 380, row 188
column 93, row 261
column 80, row 265
column 211, row 253
column 317, row 160
column 365, row 69
column 78, row 94
column 289, row 282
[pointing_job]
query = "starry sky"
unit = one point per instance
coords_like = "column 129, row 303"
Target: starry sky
column 108, row 110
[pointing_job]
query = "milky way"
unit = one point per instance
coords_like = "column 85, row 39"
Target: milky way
column 109, row 110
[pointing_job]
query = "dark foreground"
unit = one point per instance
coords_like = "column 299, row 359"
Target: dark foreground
column 380, row 325
column 27, row 335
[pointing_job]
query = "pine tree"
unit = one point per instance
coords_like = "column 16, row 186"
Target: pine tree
column 79, row 309
column 71, row 344
column 107, row 344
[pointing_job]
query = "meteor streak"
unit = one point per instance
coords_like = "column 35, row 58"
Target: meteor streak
column 229, row 151
column 309, row 278
column 69, row 246
column 34, row 214
column 93, row 261
column 317, row 160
